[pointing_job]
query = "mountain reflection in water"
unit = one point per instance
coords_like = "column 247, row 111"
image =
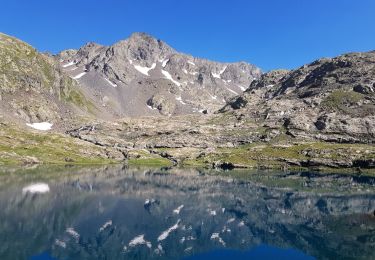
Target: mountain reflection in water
column 132, row 213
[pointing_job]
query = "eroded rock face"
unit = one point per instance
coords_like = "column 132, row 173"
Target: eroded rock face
column 164, row 104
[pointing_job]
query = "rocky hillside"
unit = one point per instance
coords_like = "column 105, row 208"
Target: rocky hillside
column 144, row 76
column 34, row 89
column 331, row 99
column 141, row 101
column 320, row 115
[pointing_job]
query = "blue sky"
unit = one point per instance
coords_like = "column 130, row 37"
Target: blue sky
column 269, row 33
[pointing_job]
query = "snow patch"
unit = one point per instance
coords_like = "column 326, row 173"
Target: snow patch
column 190, row 62
column 111, row 83
column 168, row 76
column 231, row 220
column 60, row 243
column 166, row 233
column 44, row 126
column 73, row 233
column 152, row 108
column 222, row 71
column 215, row 75
column 180, row 100
column 226, row 229
column 216, row 236
column 159, row 250
column 144, row 70
column 187, row 250
column 36, row 188
column 68, row 64
column 185, row 71
column 80, row 75
column 242, row 88
column 177, row 211
column 234, row 92
column 218, row 75
column 106, row 225
column 139, row 240
column 164, row 63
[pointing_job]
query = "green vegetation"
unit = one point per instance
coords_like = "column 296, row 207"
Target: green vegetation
column 23, row 146
column 150, row 162
column 71, row 94
column 341, row 100
column 145, row 158
column 281, row 156
column 19, row 146
column 22, row 65
column 24, row 68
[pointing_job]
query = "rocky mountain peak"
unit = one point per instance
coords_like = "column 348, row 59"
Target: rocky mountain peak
column 143, row 75
column 143, row 48
column 88, row 52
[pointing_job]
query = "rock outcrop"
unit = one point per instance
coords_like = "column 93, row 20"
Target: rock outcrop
column 330, row 99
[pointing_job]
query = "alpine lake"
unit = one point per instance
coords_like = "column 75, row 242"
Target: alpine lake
column 121, row 212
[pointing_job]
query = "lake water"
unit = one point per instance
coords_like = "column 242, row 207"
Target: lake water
column 137, row 213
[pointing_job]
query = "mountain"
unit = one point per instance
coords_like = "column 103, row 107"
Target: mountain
column 140, row 101
column 144, row 76
column 331, row 99
column 322, row 114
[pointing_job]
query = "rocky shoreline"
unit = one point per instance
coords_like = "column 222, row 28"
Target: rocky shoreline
column 136, row 144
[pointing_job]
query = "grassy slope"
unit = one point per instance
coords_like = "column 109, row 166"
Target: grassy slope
column 275, row 155
column 21, row 146
column 24, row 68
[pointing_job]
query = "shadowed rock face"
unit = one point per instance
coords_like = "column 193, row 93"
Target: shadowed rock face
column 125, row 76
column 329, row 99
column 127, row 213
